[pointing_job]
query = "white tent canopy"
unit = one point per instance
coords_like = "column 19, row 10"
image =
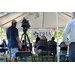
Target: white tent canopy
column 46, row 20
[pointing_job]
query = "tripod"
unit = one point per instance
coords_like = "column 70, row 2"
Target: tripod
column 25, row 35
column 26, row 53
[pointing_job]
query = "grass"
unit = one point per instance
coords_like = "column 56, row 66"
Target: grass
column 29, row 59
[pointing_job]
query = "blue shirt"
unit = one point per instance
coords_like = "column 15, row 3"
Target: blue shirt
column 12, row 33
column 4, row 45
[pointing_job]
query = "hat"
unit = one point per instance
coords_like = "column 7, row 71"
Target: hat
column 14, row 21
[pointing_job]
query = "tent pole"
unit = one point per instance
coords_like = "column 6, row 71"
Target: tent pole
column 43, row 21
column 57, row 36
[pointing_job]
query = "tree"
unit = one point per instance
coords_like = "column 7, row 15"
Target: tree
column 29, row 35
column 3, row 33
column 60, row 34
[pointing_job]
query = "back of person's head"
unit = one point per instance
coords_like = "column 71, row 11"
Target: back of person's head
column 23, row 41
column 4, row 40
column 37, row 39
column 46, row 39
column 43, row 34
column 42, row 37
column 53, row 38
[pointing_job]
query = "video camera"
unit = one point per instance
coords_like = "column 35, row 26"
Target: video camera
column 25, row 24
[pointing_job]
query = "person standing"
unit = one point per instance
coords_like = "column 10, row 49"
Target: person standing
column 70, row 29
column 13, row 40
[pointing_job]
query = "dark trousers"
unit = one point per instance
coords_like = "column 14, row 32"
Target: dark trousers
column 72, row 52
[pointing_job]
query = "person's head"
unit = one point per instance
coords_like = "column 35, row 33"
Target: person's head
column 53, row 38
column 37, row 39
column 73, row 15
column 67, row 38
column 14, row 23
column 23, row 41
column 43, row 34
column 42, row 37
column 4, row 41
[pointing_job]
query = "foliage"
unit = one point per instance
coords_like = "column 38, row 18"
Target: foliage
column 20, row 34
column 29, row 35
column 35, row 14
column 3, row 34
column 60, row 33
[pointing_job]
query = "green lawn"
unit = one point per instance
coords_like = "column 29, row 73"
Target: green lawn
column 29, row 59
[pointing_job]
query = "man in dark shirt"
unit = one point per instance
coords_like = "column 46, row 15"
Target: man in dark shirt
column 13, row 40
column 52, row 42
column 43, row 43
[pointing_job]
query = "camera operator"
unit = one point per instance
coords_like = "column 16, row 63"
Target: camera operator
column 13, row 40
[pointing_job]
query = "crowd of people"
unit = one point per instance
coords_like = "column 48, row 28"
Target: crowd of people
column 42, row 41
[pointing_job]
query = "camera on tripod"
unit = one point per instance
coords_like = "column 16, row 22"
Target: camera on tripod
column 25, row 23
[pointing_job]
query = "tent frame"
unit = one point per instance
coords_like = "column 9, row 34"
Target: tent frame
column 57, row 35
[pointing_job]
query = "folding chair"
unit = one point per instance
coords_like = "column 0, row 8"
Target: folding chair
column 52, row 51
column 3, row 50
column 62, row 53
column 25, row 54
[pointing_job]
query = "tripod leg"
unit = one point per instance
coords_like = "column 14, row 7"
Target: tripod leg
column 29, row 42
column 28, row 38
column 26, row 59
column 25, row 41
column 22, row 36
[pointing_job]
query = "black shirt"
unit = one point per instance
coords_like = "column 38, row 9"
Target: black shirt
column 42, row 43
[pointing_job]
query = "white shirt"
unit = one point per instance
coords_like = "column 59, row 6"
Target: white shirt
column 69, row 29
